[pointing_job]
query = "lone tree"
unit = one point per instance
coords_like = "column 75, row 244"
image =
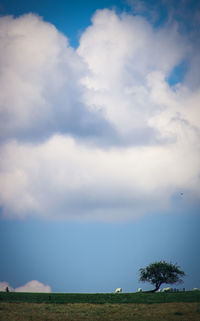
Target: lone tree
column 161, row 272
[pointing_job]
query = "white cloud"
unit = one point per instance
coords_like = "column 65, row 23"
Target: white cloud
column 65, row 179
column 32, row 286
column 121, row 53
column 40, row 81
column 144, row 135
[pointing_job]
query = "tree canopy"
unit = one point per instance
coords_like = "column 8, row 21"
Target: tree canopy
column 161, row 272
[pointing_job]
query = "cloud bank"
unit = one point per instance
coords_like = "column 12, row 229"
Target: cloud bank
column 97, row 133
column 32, row 286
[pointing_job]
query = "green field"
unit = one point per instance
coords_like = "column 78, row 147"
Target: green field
column 182, row 306
column 100, row 298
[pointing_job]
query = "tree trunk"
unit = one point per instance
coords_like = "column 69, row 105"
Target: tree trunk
column 154, row 290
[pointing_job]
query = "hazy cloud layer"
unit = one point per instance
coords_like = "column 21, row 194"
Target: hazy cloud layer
column 32, row 286
column 97, row 133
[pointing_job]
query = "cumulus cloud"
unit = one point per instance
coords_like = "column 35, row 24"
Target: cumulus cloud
column 62, row 178
column 122, row 52
column 32, row 286
column 40, row 82
column 114, row 139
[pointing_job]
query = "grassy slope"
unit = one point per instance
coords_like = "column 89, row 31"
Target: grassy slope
column 101, row 298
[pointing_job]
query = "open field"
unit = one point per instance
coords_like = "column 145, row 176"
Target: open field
column 182, row 306
column 100, row 312
column 100, row 298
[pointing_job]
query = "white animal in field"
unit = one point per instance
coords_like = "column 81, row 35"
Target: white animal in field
column 195, row 289
column 167, row 289
column 118, row 290
column 139, row 290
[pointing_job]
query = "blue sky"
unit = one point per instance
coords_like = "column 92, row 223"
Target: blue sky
column 99, row 143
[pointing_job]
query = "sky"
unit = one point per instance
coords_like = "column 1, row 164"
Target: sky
column 99, row 143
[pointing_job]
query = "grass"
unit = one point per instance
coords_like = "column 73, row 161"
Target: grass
column 101, row 298
column 182, row 306
column 96, row 312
